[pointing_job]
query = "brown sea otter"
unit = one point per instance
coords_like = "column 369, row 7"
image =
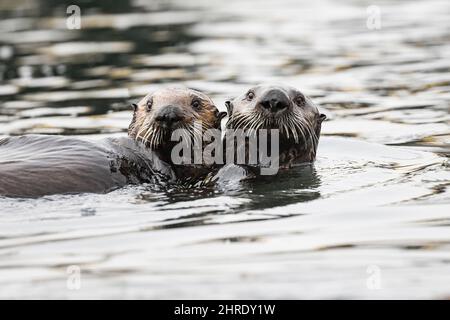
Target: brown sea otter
column 36, row 165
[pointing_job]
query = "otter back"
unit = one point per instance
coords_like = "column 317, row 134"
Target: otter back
column 34, row 165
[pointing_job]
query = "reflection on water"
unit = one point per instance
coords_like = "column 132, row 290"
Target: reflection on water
column 377, row 195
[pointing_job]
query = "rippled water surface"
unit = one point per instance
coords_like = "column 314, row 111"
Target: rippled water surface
column 375, row 204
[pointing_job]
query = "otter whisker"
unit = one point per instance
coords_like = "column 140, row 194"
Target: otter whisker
column 147, row 134
column 157, row 138
column 293, row 129
column 197, row 134
column 238, row 121
column 285, row 127
column 142, row 137
column 154, row 138
column 255, row 122
column 307, row 127
column 186, row 135
column 312, row 136
column 148, row 138
column 300, row 130
column 138, row 135
column 147, row 128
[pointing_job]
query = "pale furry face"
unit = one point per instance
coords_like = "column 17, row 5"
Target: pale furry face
column 277, row 107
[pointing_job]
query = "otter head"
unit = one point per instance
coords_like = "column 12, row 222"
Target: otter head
column 159, row 113
column 284, row 108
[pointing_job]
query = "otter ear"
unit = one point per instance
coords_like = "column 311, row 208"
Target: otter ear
column 229, row 106
column 322, row 117
column 219, row 115
column 131, row 132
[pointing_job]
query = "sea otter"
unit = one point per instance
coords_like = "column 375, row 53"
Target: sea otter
column 284, row 123
column 190, row 113
column 38, row 165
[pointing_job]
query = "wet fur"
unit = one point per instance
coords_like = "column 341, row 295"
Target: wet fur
column 36, row 165
column 146, row 130
column 299, row 126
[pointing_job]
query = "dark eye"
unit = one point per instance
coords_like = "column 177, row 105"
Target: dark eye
column 300, row 100
column 196, row 104
column 250, row 96
column 149, row 104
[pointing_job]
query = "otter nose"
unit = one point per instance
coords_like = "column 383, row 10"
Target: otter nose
column 275, row 100
column 169, row 116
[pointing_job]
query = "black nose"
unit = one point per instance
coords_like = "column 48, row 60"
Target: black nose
column 169, row 116
column 275, row 100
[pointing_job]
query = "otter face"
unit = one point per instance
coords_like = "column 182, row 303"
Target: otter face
column 279, row 107
column 159, row 113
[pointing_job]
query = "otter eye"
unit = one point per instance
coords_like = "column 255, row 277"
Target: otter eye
column 300, row 100
column 149, row 104
column 196, row 104
column 250, row 96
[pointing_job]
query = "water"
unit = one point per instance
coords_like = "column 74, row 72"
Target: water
column 370, row 219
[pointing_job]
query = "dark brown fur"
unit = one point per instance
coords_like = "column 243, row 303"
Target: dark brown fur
column 35, row 165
